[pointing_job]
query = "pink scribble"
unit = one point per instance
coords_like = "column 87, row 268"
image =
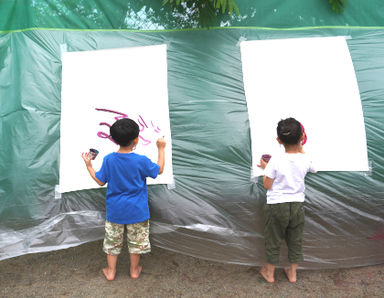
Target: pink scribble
column 156, row 129
column 105, row 123
column 141, row 121
column 146, row 142
column 104, row 135
column 122, row 115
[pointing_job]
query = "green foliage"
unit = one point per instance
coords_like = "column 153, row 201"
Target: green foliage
column 223, row 5
column 144, row 14
column 205, row 12
column 338, row 5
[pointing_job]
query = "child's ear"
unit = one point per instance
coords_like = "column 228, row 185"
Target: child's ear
column 135, row 141
column 279, row 141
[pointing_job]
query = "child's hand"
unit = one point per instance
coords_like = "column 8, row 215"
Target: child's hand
column 160, row 148
column 90, row 169
column 160, row 143
column 263, row 163
column 87, row 161
column 264, row 160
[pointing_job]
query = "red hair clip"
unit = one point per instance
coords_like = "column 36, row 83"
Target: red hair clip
column 305, row 135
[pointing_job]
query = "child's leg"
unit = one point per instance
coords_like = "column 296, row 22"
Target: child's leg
column 138, row 243
column 294, row 237
column 110, row 271
column 291, row 272
column 268, row 272
column 113, row 242
column 276, row 220
column 134, row 268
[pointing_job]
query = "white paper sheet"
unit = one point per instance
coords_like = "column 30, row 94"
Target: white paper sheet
column 99, row 87
column 312, row 80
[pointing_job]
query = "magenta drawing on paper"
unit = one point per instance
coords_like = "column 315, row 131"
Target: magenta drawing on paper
column 119, row 115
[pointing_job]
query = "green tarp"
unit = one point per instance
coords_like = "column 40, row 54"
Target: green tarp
column 215, row 210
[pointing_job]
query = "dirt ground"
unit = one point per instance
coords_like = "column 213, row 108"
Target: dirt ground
column 76, row 272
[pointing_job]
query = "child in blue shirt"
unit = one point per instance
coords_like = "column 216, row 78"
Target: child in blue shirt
column 127, row 195
column 284, row 212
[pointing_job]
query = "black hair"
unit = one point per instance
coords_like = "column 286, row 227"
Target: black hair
column 124, row 131
column 289, row 131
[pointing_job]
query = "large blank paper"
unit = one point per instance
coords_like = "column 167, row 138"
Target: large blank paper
column 99, row 87
column 312, row 80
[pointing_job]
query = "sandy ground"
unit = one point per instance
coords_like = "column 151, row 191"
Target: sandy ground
column 76, row 272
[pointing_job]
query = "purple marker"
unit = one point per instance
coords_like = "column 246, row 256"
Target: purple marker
column 92, row 153
column 266, row 157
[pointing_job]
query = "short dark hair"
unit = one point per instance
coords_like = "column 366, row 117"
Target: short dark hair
column 124, row 131
column 289, row 131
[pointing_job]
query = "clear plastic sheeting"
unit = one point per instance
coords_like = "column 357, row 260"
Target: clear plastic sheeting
column 61, row 231
column 214, row 211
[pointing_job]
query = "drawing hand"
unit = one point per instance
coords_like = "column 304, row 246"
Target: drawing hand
column 160, row 143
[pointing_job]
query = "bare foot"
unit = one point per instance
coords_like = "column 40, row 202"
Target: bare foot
column 290, row 275
column 109, row 274
column 264, row 273
column 136, row 273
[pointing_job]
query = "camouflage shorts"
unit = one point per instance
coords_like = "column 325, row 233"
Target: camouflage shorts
column 137, row 238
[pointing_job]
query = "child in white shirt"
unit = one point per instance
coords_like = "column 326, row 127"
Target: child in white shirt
column 284, row 212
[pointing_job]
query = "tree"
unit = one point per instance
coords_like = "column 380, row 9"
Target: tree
column 205, row 12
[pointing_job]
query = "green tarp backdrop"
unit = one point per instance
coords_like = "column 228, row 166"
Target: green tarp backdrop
column 215, row 210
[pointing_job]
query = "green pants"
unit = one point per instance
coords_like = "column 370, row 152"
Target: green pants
column 284, row 221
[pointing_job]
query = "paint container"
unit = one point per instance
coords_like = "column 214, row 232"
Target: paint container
column 92, row 153
column 266, row 157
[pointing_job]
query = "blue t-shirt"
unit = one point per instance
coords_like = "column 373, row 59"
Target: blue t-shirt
column 127, row 195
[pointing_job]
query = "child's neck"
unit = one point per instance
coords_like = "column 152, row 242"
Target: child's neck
column 125, row 149
column 292, row 149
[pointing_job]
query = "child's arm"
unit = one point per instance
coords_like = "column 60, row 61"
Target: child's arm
column 90, row 169
column 267, row 182
column 161, row 157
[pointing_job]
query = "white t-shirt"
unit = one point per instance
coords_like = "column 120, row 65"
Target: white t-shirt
column 288, row 171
